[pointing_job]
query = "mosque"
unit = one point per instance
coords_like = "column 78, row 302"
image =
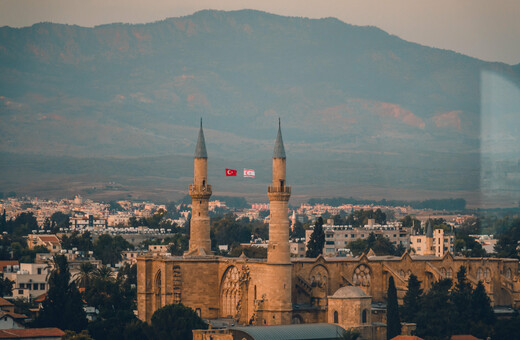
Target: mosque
column 281, row 290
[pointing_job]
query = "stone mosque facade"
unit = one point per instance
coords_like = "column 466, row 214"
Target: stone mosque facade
column 283, row 290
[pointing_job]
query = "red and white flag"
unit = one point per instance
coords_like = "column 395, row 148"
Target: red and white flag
column 249, row 173
column 231, row 172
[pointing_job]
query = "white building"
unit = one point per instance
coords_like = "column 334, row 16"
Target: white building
column 337, row 237
column 30, row 280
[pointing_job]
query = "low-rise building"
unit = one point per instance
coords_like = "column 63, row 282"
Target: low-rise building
column 337, row 237
column 297, row 248
column 435, row 242
column 29, row 281
column 51, row 242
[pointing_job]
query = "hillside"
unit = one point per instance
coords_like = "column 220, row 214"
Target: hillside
column 352, row 95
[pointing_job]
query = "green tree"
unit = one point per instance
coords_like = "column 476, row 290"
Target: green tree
column 84, row 276
column 298, row 231
column 317, row 241
column 412, row 300
column 63, row 307
column 83, row 335
column 357, row 247
column 176, row 322
column 6, row 287
column 483, row 317
column 59, row 220
column 461, row 297
column 393, row 323
column 108, row 249
column 251, row 252
column 410, row 222
column 438, row 313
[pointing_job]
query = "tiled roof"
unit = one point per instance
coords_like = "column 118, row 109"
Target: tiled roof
column 4, row 264
column 13, row 315
column 4, row 302
column 30, row 333
column 49, row 238
column 464, row 337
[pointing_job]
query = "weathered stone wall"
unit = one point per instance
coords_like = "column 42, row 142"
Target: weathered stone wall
column 200, row 283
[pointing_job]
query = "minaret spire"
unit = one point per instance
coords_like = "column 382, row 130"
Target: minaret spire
column 279, row 150
column 200, row 149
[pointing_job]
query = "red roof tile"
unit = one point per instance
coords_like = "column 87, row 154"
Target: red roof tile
column 30, row 333
column 13, row 315
column 464, row 337
column 4, row 302
column 6, row 263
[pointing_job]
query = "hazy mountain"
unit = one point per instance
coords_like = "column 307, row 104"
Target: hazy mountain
column 347, row 94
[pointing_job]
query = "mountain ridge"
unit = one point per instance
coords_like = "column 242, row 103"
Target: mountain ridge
column 133, row 90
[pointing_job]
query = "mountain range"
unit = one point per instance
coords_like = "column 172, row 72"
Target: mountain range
column 362, row 111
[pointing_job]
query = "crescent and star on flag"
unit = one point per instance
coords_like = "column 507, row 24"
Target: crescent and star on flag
column 247, row 173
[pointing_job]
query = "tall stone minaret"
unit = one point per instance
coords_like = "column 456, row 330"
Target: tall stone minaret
column 279, row 193
column 279, row 271
column 200, row 192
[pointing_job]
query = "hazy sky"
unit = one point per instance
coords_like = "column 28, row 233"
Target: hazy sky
column 486, row 29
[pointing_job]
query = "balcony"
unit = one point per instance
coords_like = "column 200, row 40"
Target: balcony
column 200, row 188
column 272, row 190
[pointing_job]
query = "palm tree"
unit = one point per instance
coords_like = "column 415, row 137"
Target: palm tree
column 103, row 273
column 84, row 276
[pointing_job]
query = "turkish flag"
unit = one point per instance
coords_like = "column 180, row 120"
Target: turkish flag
column 231, row 172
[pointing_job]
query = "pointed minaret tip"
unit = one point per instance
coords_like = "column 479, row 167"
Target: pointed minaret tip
column 200, row 149
column 279, row 150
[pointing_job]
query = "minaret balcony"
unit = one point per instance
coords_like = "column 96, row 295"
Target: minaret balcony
column 284, row 189
column 279, row 193
column 200, row 191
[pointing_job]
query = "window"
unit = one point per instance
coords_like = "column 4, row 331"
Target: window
column 42, row 286
column 35, row 286
column 20, row 292
column 22, row 285
column 419, row 240
column 336, row 317
column 39, row 271
column 364, row 316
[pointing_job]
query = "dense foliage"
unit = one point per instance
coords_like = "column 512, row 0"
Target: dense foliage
column 317, row 240
column 447, row 310
column 63, row 307
column 393, row 322
column 108, row 249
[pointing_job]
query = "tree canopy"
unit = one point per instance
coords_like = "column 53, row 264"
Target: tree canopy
column 317, row 241
column 63, row 307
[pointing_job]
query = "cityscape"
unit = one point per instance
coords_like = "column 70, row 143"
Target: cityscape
column 222, row 171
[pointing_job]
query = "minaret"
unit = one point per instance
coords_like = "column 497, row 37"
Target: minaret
column 279, row 193
column 200, row 192
column 279, row 274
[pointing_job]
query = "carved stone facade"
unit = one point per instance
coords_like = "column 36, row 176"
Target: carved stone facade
column 237, row 287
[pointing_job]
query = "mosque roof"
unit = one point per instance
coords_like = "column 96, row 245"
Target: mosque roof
column 200, row 149
column 279, row 150
column 323, row 331
column 349, row 292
